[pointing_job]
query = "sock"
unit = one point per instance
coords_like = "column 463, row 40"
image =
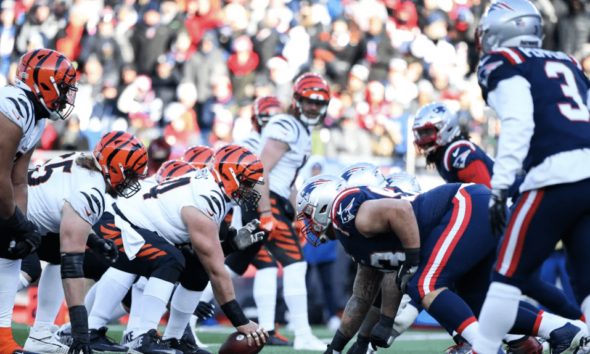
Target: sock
column 118, row 313
column 453, row 311
column 50, row 296
column 9, row 274
column 405, row 318
column 90, row 297
column 549, row 322
column 182, row 306
column 207, row 295
column 110, row 291
column 585, row 309
column 554, row 300
column 23, row 283
column 265, row 296
column 497, row 316
column 529, row 306
column 155, row 298
column 136, row 304
column 295, row 293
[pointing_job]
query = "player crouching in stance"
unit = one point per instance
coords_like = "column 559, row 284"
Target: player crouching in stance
column 440, row 236
column 151, row 226
column 67, row 197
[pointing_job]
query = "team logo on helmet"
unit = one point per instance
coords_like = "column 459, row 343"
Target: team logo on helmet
column 346, row 175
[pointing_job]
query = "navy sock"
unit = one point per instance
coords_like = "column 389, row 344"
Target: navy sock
column 527, row 322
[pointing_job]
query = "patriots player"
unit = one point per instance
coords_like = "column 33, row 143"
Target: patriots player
column 541, row 98
column 45, row 87
column 432, row 240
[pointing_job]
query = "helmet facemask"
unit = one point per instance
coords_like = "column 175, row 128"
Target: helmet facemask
column 62, row 107
column 314, row 232
column 321, row 112
column 130, row 184
column 245, row 196
column 427, row 137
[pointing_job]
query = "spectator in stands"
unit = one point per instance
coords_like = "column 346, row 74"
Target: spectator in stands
column 182, row 130
column 7, row 36
column 378, row 50
column 36, row 22
column 166, row 80
column 126, row 18
column 67, row 40
column 158, row 153
column 73, row 139
column 346, row 136
column 200, row 19
column 103, row 44
column 242, row 65
column 221, row 134
column 357, row 80
column 140, row 103
column 281, row 78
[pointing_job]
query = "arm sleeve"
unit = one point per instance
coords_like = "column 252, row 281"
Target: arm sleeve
column 513, row 103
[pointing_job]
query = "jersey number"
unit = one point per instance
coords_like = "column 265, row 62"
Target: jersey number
column 387, row 260
column 570, row 89
column 35, row 181
column 166, row 187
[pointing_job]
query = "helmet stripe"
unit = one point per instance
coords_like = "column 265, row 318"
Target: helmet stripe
column 60, row 59
column 31, row 57
column 38, row 68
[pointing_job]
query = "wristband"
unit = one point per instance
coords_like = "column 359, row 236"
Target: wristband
column 340, row 341
column 363, row 340
column 386, row 321
column 234, row 313
column 412, row 256
column 79, row 320
column 93, row 240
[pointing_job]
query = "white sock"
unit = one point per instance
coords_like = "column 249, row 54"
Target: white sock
column 50, row 297
column 9, row 274
column 550, row 322
column 405, row 319
column 470, row 332
column 497, row 317
column 207, row 295
column 90, row 297
column 118, row 313
column 193, row 322
column 136, row 304
column 111, row 289
column 155, row 298
column 23, row 283
column 295, row 293
column 182, row 306
column 265, row 296
column 586, row 311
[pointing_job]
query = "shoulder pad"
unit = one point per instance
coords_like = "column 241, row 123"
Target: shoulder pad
column 457, row 153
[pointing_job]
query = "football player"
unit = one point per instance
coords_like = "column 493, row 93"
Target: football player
column 44, row 87
column 67, row 197
column 439, row 236
column 180, row 211
column 541, row 98
column 199, row 156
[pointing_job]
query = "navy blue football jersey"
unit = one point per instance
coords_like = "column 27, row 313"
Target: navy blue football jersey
column 465, row 162
column 559, row 90
column 385, row 251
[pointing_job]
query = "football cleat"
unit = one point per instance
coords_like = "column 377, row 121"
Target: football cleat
column 127, row 338
column 184, row 346
column 150, row 343
column 308, row 342
column 45, row 341
column 22, row 351
column 100, row 343
column 65, row 333
column 461, row 348
column 565, row 339
column 525, row 345
column 583, row 347
column 278, row 340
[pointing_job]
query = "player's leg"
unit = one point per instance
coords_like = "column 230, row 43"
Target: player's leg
column 30, row 270
column 135, row 310
column 283, row 244
column 532, row 233
column 9, row 278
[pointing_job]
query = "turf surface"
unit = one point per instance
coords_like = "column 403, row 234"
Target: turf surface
column 412, row 342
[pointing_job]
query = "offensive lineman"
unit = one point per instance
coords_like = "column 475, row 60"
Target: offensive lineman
column 45, row 87
column 541, row 98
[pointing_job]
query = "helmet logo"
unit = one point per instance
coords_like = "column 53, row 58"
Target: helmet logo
column 500, row 6
column 349, row 173
column 345, row 215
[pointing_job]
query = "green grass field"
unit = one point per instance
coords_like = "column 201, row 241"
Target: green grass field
column 412, row 342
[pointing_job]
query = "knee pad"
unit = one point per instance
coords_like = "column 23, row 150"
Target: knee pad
column 32, row 266
column 294, row 279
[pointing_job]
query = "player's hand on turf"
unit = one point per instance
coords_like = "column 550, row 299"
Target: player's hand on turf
column 25, row 235
column 331, row 350
column 358, row 348
column 498, row 211
column 105, row 247
column 268, row 222
column 80, row 337
column 382, row 333
column 80, row 346
column 254, row 333
column 204, row 310
column 247, row 235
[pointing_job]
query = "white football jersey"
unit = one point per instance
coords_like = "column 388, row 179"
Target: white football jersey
column 286, row 128
column 15, row 104
column 59, row 180
column 252, row 142
column 157, row 207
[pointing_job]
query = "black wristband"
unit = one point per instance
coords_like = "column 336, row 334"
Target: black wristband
column 363, row 340
column 72, row 265
column 412, row 256
column 386, row 321
column 227, row 247
column 340, row 341
column 234, row 313
column 79, row 321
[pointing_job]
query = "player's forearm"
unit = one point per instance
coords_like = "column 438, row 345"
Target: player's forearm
column 264, row 190
column 366, row 287
column 223, row 288
column 20, row 196
column 390, row 296
column 74, row 291
column 7, row 203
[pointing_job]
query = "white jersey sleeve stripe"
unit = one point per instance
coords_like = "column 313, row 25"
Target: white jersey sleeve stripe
column 97, row 202
column 210, row 202
column 27, row 118
column 222, row 201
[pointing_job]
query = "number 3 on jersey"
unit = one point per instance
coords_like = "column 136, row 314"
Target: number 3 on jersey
column 570, row 89
column 387, row 260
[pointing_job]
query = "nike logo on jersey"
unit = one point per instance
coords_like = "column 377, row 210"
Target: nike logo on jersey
column 210, row 213
column 87, row 213
column 16, row 115
column 455, row 153
column 285, row 133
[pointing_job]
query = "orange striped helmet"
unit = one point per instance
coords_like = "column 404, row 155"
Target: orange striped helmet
column 122, row 159
column 52, row 79
column 312, row 88
column 263, row 109
column 199, row 156
column 238, row 170
column 172, row 169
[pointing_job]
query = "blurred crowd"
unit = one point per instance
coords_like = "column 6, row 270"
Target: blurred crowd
column 185, row 72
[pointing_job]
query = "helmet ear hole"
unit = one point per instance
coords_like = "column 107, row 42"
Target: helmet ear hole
column 45, row 87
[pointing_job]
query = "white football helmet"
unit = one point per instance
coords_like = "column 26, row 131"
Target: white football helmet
column 435, row 126
column 314, row 202
column 509, row 23
column 404, row 181
column 362, row 174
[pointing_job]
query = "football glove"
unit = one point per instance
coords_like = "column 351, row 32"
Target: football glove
column 104, row 247
column 382, row 333
column 361, row 346
column 204, row 310
column 25, row 235
column 268, row 223
column 246, row 236
column 498, row 211
column 408, row 269
column 80, row 337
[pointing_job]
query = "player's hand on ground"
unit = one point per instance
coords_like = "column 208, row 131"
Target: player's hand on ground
column 382, row 333
column 204, row 310
column 331, row 350
column 247, row 235
column 254, row 333
column 268, row 222
column 105, row 247
column 80, row 346
column 498, row 211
